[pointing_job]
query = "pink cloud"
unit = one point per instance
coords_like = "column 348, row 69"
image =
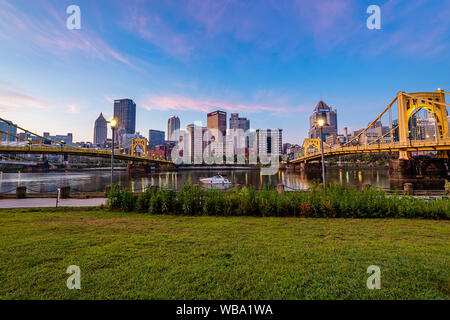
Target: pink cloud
column 11, row 100
column 182, row 103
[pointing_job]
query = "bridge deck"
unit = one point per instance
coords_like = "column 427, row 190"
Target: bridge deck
column 423, row 145
column 11, row 149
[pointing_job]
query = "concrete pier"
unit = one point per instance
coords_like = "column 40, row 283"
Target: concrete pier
column 422, row 173
column 311, row 167
column 138, row 168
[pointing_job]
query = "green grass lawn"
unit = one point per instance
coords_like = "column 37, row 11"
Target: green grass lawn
column 135, row 256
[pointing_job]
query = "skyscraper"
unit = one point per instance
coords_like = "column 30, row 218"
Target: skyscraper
column 155, row 138
column 217, row 125
column 217, row 122
column 125, row 112
column 269, row 142
column 9, row 127
column 323, row 110
column 100, row 130
column 239, row 123
column 196, row 145
column 172, row 125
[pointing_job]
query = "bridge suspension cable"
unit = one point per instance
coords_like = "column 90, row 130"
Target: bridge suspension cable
column 39, row 136
column 395, row 128
column 372, row 123
column 68, row 149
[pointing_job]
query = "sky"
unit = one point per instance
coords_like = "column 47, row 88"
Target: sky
column 268, row 60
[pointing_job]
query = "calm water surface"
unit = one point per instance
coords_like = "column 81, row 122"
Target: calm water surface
column 96, row 181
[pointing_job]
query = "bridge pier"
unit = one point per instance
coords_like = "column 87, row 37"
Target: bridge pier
column 292, row 167
column 422, row 173
column 311, row 167
column 38, row 168
column 138, row 168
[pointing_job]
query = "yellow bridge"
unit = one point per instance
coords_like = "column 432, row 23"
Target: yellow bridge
column 408, row 105
column 129, row 151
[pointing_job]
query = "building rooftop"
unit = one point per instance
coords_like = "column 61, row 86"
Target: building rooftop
column 321, row 106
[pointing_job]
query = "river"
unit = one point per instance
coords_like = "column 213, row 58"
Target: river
column 96, row 181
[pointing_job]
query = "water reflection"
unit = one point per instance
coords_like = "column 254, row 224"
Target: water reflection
column 96, row 181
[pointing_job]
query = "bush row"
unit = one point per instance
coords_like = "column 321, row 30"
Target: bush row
column 330, row 201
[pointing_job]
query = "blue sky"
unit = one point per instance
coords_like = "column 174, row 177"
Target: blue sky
column 269, row 60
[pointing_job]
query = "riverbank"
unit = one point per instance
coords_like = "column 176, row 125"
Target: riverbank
column 135, row 256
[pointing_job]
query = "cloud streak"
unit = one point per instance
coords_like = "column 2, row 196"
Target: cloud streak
column 212, row 27
column 13, row 99
column 50, row 35
column 183, row 103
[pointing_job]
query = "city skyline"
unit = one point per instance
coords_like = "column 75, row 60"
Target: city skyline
column 204, row 56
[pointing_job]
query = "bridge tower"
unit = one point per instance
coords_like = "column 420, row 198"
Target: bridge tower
column 423, row 173
column 433, row 102
column 314, row 142
column 141, row 143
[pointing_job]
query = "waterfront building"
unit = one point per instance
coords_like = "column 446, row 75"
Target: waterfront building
column 237, row 123
column 196, row 144
column 159, row 153
column 66, row 139
column 100, row 130
column 125, row 139
column 8, row 127
column 330, row 139
column 323, row 110
column 237, row 143
column 286, row 146
column 217, row 122
column 217, row 126
column 269, row 141
column 341, row 139
column 125, row 113
column 155, row 138
column 173, row 124
column 395, row 132
column 167, row 148
column 374, row 133
column 426, row 128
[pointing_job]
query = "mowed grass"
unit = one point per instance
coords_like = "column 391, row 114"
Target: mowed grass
column 135, row 256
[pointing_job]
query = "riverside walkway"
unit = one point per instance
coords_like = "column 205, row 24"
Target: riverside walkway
column 49, row 203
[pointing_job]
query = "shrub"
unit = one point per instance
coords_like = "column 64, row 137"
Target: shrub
column 190, row 198
column 213, row 203
column 114, row 200
column 143, row 201
column 167, row 201
column 320, row 201
column 128, row 202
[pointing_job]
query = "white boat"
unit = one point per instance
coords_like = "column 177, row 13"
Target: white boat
column 217, row 179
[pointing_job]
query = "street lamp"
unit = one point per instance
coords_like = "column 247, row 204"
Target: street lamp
column 321, row 122
column 113, row 122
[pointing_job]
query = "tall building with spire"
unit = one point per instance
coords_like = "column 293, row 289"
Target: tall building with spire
column 100, row 130
column 323, row 110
